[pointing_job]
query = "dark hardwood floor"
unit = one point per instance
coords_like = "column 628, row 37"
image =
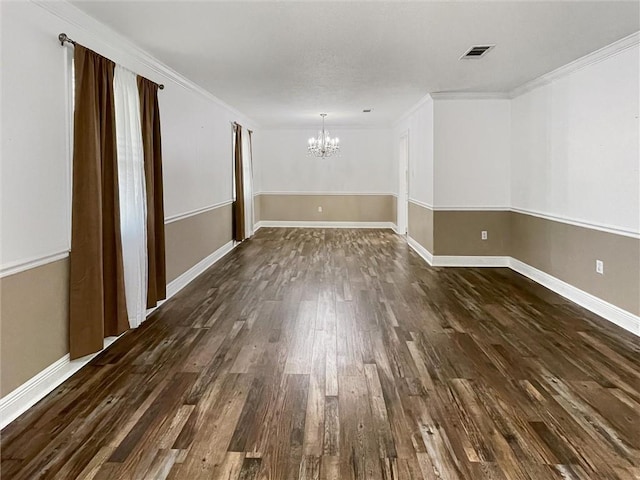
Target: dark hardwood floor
column 340, row 354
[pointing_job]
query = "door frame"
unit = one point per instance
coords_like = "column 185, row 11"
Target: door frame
column 402, row 215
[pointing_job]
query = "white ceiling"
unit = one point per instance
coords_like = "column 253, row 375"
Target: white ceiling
column 282, row 63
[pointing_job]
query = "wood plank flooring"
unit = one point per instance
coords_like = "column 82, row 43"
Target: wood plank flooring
column 340, row 354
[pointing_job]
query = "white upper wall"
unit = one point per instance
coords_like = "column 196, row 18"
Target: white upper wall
column 418, row 124
column 576, row 145
column 472, row 152
column 35, row 164
column 197, row 150
column 365, row 163
column 34, row 182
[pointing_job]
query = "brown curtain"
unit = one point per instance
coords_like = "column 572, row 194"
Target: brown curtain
column 97, row 307
column 238, row 205
column 150, row 118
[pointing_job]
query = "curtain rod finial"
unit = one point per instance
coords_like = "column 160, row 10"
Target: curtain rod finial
column 63, row 37
column 161, row 86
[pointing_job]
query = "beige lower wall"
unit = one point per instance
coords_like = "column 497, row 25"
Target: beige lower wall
column 192, row 239
column 460, row 233
column 564, row 251
column 257, row 211
column 394, row 209
column 569, row 252
column 34, row 326
column 335, row 208
column 34, row 303
column 420, row 225
column 34, row 309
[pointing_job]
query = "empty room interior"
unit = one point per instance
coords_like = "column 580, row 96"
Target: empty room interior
column 277, row 240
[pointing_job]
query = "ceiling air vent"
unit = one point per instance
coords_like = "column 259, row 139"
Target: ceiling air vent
column 477, row 51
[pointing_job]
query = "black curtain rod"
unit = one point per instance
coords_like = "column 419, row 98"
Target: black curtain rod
column 64, row 38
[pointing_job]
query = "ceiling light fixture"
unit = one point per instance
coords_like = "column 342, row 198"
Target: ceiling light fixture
column 323, row 146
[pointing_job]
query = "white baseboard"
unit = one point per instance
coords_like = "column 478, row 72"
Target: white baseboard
column 420, row 250
column 320, row 224
column 36, row 388
column 187, row 277
column 470, row 261
column 617, row 315
column 606, row 310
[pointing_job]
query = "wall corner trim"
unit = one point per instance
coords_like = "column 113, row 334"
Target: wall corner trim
column 36, row 388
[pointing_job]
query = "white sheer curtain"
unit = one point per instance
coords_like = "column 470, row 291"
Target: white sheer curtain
column 248, row 183
column 131, row 184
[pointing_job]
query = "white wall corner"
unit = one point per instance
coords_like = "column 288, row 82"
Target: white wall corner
column 411, row 110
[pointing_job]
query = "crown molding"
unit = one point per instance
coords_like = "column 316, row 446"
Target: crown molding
column 470, row 96
column 412, row 110
column 597, row 56
column 91, row 31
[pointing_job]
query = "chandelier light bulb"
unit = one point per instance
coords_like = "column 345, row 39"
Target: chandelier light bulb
column 323, row 146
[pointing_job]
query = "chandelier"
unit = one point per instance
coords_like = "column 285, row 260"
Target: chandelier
column 324, row 145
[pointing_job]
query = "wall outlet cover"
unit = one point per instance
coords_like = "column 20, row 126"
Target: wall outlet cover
column 484, row 235
column 600, row 267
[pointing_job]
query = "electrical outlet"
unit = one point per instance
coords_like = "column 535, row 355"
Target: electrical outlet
column 319, row 209
column 600, row 267
column 484, row 235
